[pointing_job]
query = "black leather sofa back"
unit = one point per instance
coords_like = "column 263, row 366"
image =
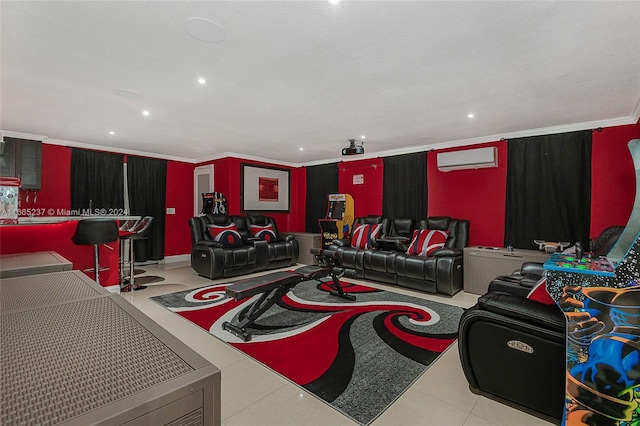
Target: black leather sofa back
column 403, row 227
column 210, row 259
column 374, row 220
column 458, row 229
column 606, row 240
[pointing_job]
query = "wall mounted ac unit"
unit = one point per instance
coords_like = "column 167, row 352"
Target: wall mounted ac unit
column 477, row 158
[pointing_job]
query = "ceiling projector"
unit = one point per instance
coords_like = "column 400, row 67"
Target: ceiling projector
column 353, row 149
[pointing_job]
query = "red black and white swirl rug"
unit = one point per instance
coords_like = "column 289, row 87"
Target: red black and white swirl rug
column 359, row 357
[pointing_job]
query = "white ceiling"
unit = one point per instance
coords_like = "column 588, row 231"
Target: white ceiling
column 305, row 74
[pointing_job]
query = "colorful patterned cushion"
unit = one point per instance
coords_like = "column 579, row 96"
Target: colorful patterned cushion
column 362, row 235
column 539, row 292
column 226, row 235
column 263, row 232
column 426, row 241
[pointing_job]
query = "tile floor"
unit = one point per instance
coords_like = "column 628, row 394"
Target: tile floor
column 254, row 395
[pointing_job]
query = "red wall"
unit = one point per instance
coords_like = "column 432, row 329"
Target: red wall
column 477, row 195
column 612, row 177
column 367, row 197
column 177, row 236
column 227, row 179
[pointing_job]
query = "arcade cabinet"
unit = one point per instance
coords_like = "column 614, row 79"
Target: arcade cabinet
column 214, row 203
column 339, row 218
column 600, row 298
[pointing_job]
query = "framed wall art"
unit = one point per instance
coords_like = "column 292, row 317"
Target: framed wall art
column 265, row 189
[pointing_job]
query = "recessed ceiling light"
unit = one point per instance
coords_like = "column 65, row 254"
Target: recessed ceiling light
column 334, row 2
column 111, row 132
column 204, row 30
column 301, row 149
column 470, row 115
column 362, row 137
column 202, row 81
column 146, row 113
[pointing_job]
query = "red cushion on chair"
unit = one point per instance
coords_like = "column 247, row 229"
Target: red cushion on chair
column 226, row 235
column 426, row 241
column 265, row 232
column 362, row 234
column 539, row 292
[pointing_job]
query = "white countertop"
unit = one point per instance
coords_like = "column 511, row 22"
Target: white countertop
column 57, row 219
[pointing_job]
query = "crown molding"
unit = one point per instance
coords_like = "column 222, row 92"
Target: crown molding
column 635, row 115
column 246, row 157
column 20, row 135
column 116, row 149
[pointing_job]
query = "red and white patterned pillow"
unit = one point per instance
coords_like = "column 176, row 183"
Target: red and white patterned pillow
column 362, row 235
column 226, row 235
column 265, row 232
column 539, row 292
column 426, row 241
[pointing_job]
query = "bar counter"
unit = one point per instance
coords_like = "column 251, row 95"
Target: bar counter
column 53, row 233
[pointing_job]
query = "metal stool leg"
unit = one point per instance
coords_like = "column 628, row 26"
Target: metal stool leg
column 131, row 265
column 96, row 264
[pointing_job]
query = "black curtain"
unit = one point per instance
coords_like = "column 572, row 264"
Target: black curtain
column 147, row 185
column 548, row 189
column 97, row 181
column 404, row 188
column 322, row 180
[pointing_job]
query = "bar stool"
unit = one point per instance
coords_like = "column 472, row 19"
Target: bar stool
column 139, row 231
column 124, row 231
column 96, row 231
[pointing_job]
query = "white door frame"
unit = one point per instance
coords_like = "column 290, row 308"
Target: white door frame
column 197, row 196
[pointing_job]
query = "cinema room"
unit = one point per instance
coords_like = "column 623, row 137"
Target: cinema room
column 321, row 212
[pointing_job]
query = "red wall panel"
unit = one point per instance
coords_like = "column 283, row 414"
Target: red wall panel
column 177, row 237
column 367, row 197
column 612, row 177
column 477, row 195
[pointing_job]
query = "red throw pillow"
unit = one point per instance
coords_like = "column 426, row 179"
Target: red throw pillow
column 426, row 241
column 362, row 234
column 226, row 235
column 539, row 292
column 263, row 232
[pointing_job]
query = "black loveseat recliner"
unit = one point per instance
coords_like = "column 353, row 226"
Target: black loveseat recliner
column 389, row 263
column 212, row 259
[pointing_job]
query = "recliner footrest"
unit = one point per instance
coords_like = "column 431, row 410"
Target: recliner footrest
column 252, row 286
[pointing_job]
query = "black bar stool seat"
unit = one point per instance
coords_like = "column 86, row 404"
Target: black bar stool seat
column 96, row 231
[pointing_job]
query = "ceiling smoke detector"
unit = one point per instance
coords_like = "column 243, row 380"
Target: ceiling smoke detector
column 353, row 149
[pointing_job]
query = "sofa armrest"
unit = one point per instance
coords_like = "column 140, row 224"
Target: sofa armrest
column 447, row 252
column 549, row 316
column 532, row 268
column 345, row 242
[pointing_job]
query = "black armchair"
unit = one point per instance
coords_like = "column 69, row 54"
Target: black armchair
column 512, row 350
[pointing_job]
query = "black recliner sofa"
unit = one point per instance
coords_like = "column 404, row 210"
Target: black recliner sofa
column 388, row 262
column 212, row 259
